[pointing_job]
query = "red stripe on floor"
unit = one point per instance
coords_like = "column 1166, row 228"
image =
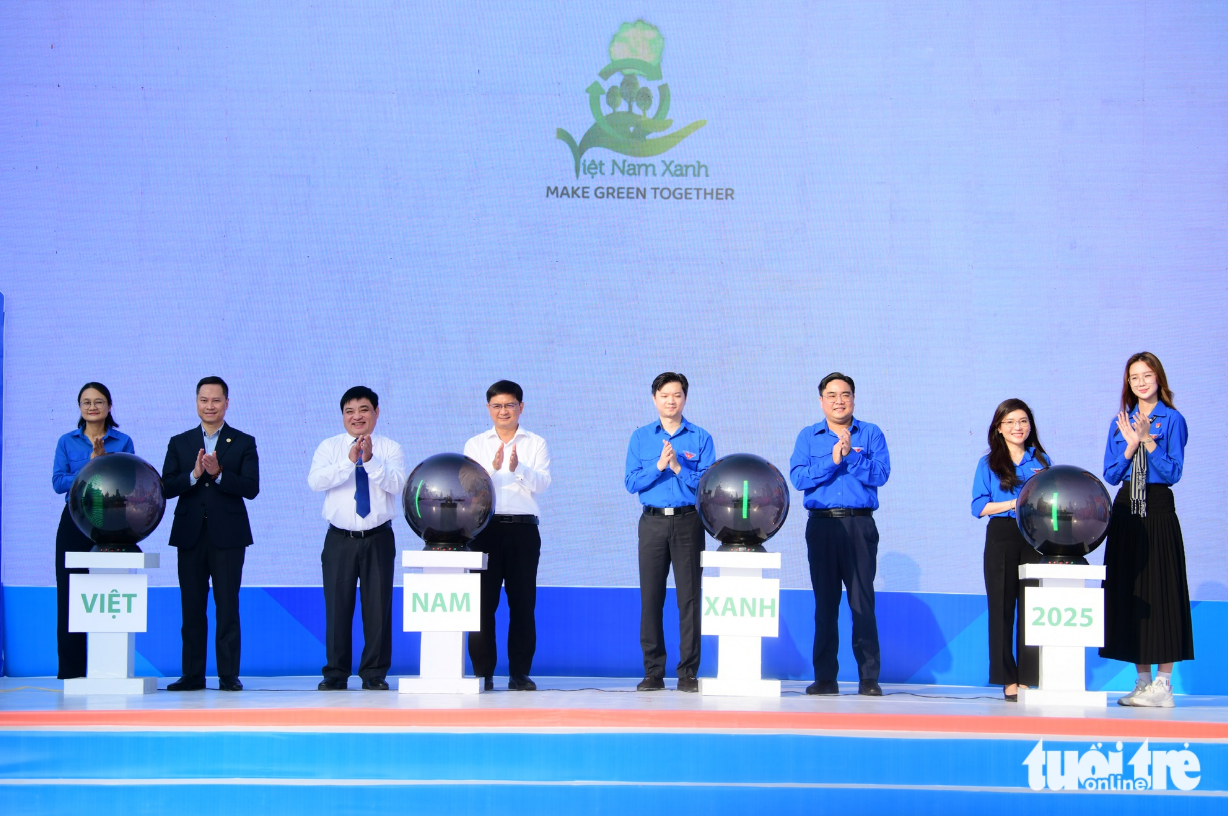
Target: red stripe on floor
column 526, row 718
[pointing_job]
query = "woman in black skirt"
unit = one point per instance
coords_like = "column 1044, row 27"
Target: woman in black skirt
column 1015, row 455
column 95, row 435
column 1146, row 597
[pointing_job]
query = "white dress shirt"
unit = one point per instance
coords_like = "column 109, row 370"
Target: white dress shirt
column 210, row 445
column 333, row 472
column 515, row 491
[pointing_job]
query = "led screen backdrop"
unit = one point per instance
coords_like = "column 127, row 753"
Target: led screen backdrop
column 953, row 202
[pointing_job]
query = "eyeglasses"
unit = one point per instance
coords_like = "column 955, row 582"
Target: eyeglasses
column 1015, row 423
column 98, row 403
column 495, row 406
column 1142, row 378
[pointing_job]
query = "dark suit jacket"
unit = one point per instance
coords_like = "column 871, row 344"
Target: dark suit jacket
column 220, row 501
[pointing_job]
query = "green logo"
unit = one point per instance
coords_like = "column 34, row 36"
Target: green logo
column 739, row 607
column 425, row 602
column 635, row 55
column 107, row 604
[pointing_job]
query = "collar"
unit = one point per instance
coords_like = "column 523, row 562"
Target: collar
column 820, row 427
column 493, row 433
column 216, row 434
column 1160, row 410
column 110, row 434
column 1029, row 455
column 684, row 426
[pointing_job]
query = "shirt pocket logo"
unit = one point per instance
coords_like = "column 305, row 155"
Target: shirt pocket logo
column 688, row 454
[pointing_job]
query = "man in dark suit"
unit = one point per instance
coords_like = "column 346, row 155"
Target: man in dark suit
column 212, row 469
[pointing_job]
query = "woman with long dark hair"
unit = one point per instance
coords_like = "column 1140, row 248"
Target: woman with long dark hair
column 1015, row 455
column 95, row 435
column 1146, row 595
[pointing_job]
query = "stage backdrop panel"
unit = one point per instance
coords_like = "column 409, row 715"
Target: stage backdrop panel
column 955, row 203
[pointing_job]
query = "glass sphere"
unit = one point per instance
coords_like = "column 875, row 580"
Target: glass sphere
column 1063, row 512
column 116, row 500
column 448, row 499
column 743, row 500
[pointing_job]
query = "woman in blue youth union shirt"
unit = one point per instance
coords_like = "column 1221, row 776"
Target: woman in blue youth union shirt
column 1146, row 595
column 1015, row 455
column 96, row 434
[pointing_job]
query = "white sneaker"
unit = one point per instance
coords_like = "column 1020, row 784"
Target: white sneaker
column 1140, row 685
column 1157, row 695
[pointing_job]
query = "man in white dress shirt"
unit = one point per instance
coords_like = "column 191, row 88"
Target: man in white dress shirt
column 519, row 464
column 361, row 475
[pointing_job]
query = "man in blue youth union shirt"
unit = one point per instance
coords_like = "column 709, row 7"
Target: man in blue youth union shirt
column 839, row 464
column 665, row 461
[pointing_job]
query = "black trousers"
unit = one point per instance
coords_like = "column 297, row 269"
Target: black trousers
column 666, row 540
column 843, row 551
column 513, row 551
column 349, row 563
column 199, row 564
column 1005, row 550
column 71, row 645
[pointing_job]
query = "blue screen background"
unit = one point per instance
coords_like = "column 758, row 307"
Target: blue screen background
column 953, row 202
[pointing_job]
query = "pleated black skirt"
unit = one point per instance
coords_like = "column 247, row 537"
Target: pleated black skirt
column 1146, row 594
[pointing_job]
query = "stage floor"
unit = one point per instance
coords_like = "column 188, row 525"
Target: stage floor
column 601, row 703
column 595, row 745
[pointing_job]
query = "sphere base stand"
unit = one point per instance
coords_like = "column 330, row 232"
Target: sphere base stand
column 737, row 547
column 739, row 666
column 741, row 607
column 111, row 655
column 1073, row 560
column 1069, row 619
column 441, row 665
column 435, row 605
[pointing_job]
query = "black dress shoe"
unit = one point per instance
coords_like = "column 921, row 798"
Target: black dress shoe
column 869, row 688
column 823, row 687
column 521, row 682
column 187, row 684
column 328, row 684
column 651, row 684
column 488, row 683
column 375, row 684
column 231, row 683
column 688, row 684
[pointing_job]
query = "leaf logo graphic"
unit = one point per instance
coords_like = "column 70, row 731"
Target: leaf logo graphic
column 635, row 55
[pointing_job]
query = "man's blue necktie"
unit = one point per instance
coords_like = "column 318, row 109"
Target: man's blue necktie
column 362, row 492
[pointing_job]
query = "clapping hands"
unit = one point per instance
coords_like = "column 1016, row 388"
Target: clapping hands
column 1142, row 429
column 205, row 463
column 511, row 462
column 361, row 446
column 669, row 458
column 1136, row 432
column 843, row 446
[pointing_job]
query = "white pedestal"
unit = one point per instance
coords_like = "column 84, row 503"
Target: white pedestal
column 740, row 607
column 442, row 602
column 111, row 609
column 1063, row 617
